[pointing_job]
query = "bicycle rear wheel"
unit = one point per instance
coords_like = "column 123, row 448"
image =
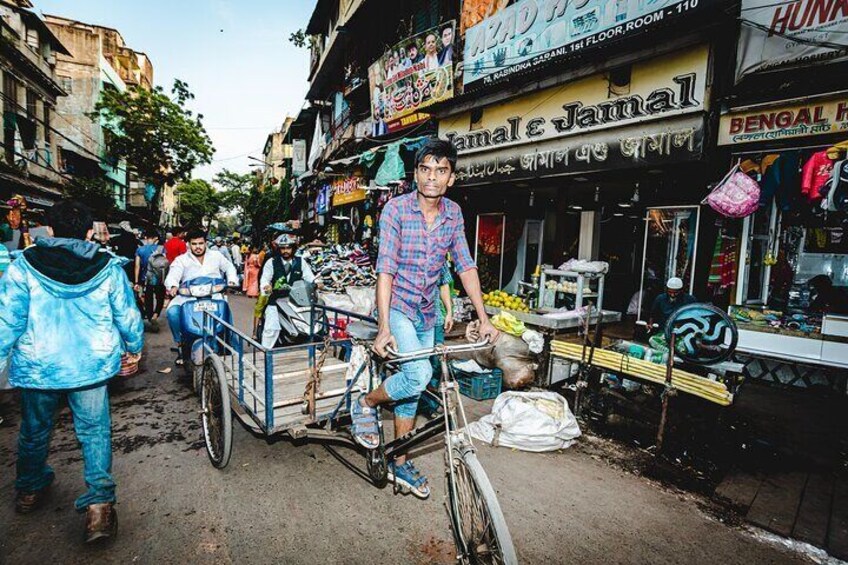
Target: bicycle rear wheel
column 479, row 528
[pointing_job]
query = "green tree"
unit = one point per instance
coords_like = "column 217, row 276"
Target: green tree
column 235, row 190
column 267, row 205
column 199, row 202
column 160, row 138
column 255, row 204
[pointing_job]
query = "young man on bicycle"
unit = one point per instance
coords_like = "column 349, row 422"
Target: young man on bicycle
column 417, row 230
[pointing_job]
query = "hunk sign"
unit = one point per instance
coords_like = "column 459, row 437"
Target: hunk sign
column 576, row 116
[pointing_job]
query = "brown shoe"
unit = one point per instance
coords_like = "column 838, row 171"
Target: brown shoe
column 101, row 522
column 26, row 502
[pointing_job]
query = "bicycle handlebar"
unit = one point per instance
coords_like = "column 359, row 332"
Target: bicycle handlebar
column 437, row 350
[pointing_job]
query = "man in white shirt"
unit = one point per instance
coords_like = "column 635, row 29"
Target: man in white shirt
column 235, row 252
column 278, row 274
column 196, row 262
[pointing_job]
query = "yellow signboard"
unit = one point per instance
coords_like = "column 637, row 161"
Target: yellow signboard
column 813, row 117
column 347, row 191
column 660, row 88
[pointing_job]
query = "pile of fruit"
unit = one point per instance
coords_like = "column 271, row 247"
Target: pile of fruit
column 505, row 301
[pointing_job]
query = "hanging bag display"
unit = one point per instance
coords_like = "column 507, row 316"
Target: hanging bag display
column 736, row 196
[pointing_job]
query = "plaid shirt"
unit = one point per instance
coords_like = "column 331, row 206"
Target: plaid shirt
column 415, row 256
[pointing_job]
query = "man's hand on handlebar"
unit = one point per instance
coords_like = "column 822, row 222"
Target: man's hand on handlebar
column 383, row 341
column 488, row 331
column 172, row 292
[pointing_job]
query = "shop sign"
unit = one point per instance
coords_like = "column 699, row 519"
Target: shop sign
column 298, row 156
column 322, row 199
column 347, row 191
column 785, row 122
column 414, row 74
column 531, row 33
column 777, row 35
column 475, row 11
column 669, row 141
column 663, row 87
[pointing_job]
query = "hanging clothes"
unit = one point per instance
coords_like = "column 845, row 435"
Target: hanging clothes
column 815, row 174
column 723, row 266
column 781, row 180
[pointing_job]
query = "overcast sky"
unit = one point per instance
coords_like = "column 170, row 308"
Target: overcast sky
column 234, row 54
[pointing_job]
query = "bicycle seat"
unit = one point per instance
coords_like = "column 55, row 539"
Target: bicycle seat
column 361, row 330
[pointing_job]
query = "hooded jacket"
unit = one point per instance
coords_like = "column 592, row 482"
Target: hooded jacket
column 67, row 315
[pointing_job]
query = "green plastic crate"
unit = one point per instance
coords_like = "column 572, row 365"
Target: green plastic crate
column 479, row 386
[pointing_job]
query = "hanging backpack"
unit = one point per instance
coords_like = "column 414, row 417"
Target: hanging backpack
column 157, row 267
column 736, row 196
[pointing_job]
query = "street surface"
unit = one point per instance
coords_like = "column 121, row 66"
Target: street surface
column 281, row 503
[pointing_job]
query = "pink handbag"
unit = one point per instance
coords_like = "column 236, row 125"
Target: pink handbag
column 736, row 196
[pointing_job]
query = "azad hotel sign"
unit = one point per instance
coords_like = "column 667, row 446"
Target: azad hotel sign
column 660, row 91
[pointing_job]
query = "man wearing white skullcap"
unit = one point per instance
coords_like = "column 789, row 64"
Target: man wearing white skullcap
column 669, row 301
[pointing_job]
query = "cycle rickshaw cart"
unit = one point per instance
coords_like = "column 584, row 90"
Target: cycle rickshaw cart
column 304, row 392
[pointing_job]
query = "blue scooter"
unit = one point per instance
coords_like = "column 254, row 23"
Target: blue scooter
column 202, row 290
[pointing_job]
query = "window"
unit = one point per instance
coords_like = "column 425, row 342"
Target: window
column 32, row 39
column 31, row 103
column 10, row 92
column 47, row 131
column 67, row 84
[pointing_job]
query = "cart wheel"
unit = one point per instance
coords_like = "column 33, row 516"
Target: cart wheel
column 217, row 419
column 197, row 378
column 377, row 466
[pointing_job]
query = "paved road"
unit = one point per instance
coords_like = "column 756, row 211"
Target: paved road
column 280, row 503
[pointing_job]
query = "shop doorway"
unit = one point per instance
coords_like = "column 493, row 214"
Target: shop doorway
column 669, row 249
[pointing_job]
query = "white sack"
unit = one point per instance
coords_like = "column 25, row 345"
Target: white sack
column 530, row 421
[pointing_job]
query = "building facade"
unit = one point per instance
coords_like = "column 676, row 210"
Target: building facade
column 30, row 93
column 85, row 74
column 277, row 155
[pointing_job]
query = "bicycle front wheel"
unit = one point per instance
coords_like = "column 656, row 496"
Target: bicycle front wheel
column 479, row 528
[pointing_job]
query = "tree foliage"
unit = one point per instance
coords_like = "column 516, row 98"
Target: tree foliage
column 255, row 203
column 159, row 137
column 199, row 202
column 235, row 189
column 298, row 38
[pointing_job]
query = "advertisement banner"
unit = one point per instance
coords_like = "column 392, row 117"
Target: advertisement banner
column 348, row 191
column 659, row 88
column 530, row 33
column 814, row 117
column 414, row 74
column 676, row 140
column 322, row 199
column 298, row 156
column 777, row 35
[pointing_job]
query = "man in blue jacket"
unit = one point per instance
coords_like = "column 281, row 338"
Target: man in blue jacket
column 67, row 315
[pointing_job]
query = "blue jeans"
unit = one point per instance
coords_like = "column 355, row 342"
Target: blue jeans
column 93, row 428
column 173, row 313
column 405, row 387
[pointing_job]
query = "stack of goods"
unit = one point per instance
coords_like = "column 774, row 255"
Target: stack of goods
column 504, row 300
column 775, row 320
column 338, row 267
column 625, row 364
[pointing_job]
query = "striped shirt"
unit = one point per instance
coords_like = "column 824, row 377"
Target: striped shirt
column 415, row 256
